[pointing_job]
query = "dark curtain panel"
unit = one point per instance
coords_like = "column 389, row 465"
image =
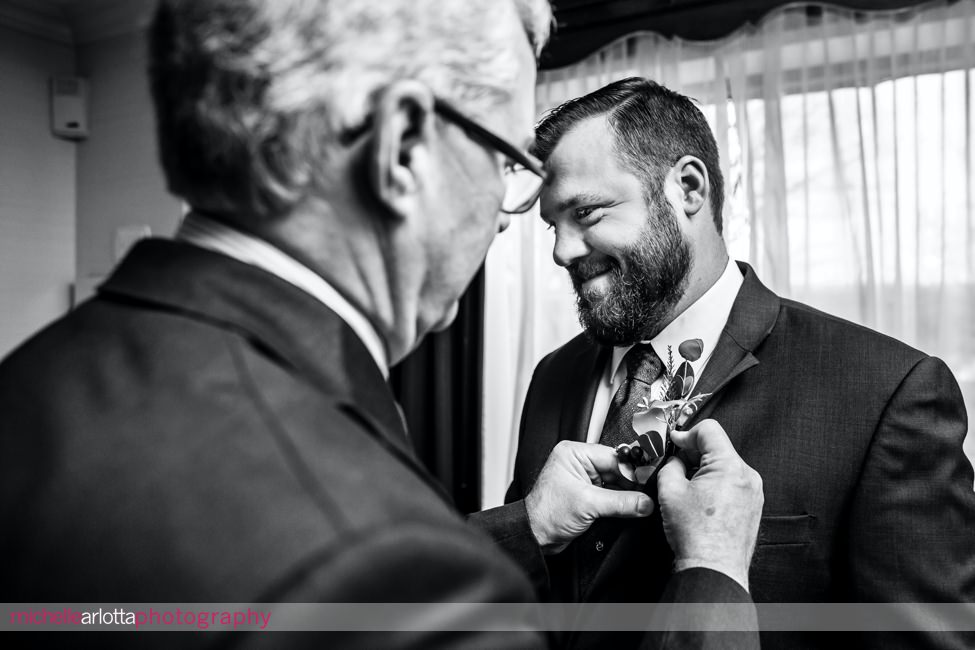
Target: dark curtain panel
column 583, row 26
column 439, row 388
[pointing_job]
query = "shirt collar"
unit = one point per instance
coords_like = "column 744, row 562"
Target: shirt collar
column 213, row 235
column 704, row 319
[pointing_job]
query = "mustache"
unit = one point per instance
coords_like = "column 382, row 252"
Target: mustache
column 587, row 269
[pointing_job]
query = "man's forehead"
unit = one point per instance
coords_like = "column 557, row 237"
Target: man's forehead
column 572, row 183
column 585, row 150
column 587, row 143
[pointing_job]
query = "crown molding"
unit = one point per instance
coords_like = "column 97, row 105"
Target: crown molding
column 43, row 21
column 76, row 22
column 103, row 19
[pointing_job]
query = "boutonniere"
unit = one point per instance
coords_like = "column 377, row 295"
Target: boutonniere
column 654, row 420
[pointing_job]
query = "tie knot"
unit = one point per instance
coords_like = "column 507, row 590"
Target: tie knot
column 643, row 364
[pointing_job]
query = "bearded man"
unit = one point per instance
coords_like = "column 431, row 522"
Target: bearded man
column 858, row 437
column 215, row 426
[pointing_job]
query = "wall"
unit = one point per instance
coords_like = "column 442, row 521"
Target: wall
column 37, row 189
column 120, row 183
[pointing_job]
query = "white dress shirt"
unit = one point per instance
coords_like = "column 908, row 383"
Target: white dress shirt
column 213, row 235
column 705, row 320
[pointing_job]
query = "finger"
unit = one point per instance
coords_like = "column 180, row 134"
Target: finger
column 603, row 463
column 621, row 482
column 691, row 459
column 707, row 437
column 617, row 503
column 672, row 477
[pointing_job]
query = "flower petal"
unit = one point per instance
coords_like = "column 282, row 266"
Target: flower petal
column 652, row 443
column 691, row 349
column 648, row 421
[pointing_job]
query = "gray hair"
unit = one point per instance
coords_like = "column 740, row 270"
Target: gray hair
column 251, row 95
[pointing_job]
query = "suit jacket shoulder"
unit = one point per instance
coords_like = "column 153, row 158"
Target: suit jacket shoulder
column 204, row 432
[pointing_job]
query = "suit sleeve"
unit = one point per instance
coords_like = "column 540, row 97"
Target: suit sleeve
column 509, row 528
column 913, row 512
column 697, row 600
column 437, row 589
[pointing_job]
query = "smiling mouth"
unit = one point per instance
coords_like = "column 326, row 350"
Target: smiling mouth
column 598, row 283
column 595, row 276
column 589, row 279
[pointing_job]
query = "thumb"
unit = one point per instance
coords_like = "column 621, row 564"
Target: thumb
column 672, row 477
column 618, row 503
column 706, row 437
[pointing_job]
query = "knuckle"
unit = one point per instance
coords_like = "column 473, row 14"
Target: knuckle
column 706, row 427
column 713, row 427
column 756, row 481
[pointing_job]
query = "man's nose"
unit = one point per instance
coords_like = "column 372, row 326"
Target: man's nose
column 570, row 245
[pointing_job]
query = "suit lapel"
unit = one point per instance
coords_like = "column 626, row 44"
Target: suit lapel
column 752, row 318
column 288, row 324
column 589, row 365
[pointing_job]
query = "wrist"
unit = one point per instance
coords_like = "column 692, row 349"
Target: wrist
column 533, row 523
column 540, row 531
column 731, row 569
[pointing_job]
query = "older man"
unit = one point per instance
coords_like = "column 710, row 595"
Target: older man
column 216, row 426
column 857, row 437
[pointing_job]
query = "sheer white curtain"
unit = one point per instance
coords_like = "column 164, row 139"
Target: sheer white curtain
column 846, row 143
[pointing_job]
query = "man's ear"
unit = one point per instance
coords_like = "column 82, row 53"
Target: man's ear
column 691, row 176
column 404, row 127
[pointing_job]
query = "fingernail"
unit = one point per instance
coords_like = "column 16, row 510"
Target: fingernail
column 644, row 506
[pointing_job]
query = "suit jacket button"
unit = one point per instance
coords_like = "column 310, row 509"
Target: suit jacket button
column 599, row 545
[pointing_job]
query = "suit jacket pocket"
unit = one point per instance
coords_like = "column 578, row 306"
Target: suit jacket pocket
column 782, row 530
column 784, row 567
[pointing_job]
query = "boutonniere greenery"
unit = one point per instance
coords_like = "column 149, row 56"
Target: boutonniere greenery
column 654, row 420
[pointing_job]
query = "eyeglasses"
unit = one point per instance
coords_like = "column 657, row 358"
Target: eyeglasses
column 523, row 175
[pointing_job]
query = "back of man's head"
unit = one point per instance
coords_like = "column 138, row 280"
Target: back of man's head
column 252, row 96
column 654, row 128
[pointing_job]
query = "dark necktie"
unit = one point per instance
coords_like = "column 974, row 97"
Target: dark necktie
column 643, row 367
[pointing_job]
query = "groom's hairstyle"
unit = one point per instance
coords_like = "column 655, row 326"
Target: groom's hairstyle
column 654, row 128
column 251, row 96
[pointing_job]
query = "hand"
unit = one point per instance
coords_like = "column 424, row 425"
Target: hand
column 566, row 498
column 712, row 519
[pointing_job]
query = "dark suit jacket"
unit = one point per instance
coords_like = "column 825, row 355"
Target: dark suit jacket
column 204, row 432
column 857, row 437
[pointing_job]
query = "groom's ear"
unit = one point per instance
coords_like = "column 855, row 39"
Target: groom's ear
column 690, row 176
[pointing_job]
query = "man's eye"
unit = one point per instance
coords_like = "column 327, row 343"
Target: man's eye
column 582, row 213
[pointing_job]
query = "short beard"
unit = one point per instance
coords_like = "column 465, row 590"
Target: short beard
column 639, row 301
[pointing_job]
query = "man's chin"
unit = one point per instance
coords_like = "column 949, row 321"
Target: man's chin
column 608, row 336
column 602, row 325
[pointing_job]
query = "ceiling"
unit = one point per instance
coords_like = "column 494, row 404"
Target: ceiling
column 76, row 21
column 582, row 25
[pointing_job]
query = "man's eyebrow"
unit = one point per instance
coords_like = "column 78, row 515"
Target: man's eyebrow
column 581, row 198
